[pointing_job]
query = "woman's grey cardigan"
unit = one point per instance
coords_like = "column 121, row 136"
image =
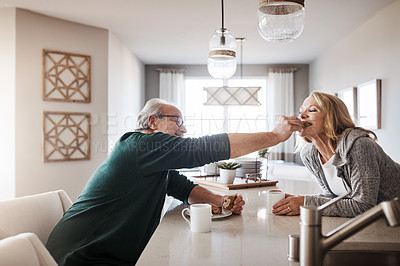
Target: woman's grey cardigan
column 366, row 170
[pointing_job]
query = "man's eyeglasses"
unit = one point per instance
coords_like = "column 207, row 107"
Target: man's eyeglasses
column 179, row 121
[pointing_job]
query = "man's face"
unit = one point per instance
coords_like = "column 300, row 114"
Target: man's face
column 170, row 122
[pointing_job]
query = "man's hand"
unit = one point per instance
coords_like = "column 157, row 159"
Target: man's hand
column 238, row 204
column 200, row 194
column 285, row 127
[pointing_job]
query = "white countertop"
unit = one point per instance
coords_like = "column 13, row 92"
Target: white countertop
column 253, row 238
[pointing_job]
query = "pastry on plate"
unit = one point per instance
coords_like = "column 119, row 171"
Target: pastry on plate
column 228, row 202
column 215, row 209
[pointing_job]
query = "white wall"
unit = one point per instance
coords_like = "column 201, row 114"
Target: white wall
column 370, row 52
column 7, row 102
column 35, row 32
column 125, row 89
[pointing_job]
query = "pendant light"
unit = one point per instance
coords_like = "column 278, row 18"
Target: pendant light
column 222, row 52
column 280, row 20
column 238, row 95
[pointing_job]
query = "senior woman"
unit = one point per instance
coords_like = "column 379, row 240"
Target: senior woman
column 342, row 158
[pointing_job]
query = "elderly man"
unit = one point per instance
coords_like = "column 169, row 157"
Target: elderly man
column 120, row 207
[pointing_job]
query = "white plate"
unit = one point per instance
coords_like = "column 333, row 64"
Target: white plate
column 249, row 167
column 248, row 163
column 225, row 213
column 246, row 159
column 247, row 170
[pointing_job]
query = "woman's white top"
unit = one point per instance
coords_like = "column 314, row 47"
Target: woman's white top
column 335, row 183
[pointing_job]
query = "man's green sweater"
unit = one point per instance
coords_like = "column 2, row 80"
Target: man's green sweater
column 120, row 207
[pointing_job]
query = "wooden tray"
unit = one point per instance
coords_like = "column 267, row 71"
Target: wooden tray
column 237, row 184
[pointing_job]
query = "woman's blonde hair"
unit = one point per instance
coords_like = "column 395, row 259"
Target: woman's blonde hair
column 336, row 118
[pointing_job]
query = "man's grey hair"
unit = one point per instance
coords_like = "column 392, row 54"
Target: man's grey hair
column 152, row 107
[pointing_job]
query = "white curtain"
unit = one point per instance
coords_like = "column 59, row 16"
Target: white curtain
column 281, row 102
column 172, row 87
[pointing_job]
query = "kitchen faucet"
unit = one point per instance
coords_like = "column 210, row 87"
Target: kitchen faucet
column 314, row 245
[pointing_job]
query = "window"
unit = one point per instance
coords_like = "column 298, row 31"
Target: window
column 203, row 119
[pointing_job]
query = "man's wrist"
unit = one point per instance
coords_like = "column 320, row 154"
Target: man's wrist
column 273, row 138
column 220, row 200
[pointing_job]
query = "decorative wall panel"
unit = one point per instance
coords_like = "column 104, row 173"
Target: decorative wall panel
column 66, row 136
column 66, row 77
column 232, row 95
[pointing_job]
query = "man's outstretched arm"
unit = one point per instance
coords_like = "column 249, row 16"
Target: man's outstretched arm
column 245, row 143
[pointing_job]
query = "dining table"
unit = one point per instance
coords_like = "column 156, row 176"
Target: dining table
column 253, row 238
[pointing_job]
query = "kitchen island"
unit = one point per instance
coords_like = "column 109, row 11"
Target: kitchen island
column 253, row 238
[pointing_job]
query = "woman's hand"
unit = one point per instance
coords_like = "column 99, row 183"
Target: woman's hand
column 237, row 204
column 288, row 206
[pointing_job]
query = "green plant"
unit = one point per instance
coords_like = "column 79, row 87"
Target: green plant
column 264, row 152
column 229, row 165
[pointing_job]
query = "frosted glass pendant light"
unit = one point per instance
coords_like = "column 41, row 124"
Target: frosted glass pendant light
column 222, row 53
column 242, row 95
column 280, row 20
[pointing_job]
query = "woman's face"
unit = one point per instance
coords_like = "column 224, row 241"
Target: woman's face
column 311, row 113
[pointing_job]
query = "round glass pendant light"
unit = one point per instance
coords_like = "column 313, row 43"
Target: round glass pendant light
column 280, row 20
column 222, row 53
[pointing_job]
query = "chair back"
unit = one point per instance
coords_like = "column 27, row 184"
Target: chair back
column 24, row 249
column 37, row 214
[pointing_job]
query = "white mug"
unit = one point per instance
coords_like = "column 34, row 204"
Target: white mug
column 200, row 217
column 210, row 169
column 273, row 196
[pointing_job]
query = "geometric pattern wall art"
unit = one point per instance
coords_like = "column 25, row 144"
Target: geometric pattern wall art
column 66, row 136
column 66, row 77
column 232, row 95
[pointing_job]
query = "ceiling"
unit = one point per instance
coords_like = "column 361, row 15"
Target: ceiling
column 178, row 31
